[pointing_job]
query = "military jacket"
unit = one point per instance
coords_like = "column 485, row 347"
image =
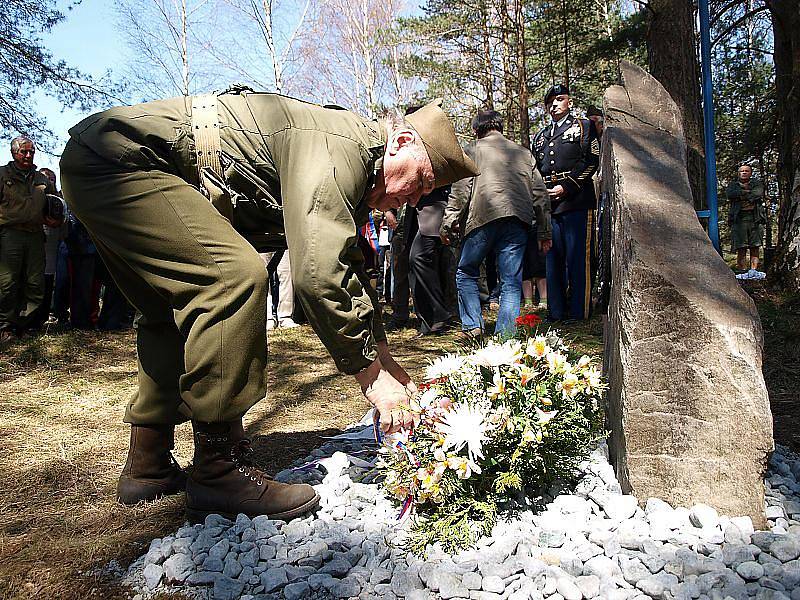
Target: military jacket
column 288, row 167
column 738, row 196
column 569, row 156
column 22, row 197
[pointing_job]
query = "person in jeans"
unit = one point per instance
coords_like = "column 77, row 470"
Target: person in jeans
column 495, row 211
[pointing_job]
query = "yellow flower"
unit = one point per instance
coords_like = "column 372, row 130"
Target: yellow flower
column 528, row 436
column 569, row 385
column 546, row 401
column 556, row 362
column 537, row 347
column 526, row 374
column 499, row 387
column 593, row 378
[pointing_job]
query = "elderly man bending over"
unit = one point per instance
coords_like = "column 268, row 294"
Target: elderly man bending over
column 179, row 196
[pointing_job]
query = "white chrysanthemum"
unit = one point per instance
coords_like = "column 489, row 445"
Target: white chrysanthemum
column 428, row 398
column 465, row 425
column 444, row 366
column 495, row 355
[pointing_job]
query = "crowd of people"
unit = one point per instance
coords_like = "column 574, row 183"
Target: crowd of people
column 519, row 235
column 50, row 274
column 501, row 240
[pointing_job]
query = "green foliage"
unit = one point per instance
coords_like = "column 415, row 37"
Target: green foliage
column 454, row 527
column 28, row 67
column 469, row 53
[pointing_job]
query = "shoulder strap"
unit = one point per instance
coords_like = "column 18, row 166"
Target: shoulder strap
column 205, row 126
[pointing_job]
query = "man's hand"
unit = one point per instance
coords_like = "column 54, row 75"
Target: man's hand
column 391, row 398
column 395, row 370
column 391, row 220
column 545, row 245
column 557, row 191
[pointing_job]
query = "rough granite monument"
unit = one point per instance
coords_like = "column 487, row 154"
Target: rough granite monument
column 688, row 407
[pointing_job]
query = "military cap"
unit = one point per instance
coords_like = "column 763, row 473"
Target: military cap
column 439, row 138
column 554, row 91
column 593, row 111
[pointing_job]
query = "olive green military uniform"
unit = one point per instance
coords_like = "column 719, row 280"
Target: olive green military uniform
column 287, row 166
column 746, row 214
column 22, row 259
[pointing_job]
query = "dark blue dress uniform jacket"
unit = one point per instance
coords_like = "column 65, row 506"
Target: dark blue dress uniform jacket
column 569, row 157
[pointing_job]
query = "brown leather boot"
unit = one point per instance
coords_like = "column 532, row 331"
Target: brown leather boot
column 225, row 482
column 150, row 471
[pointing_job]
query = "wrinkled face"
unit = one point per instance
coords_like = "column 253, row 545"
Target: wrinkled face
column 745, row 173
column 23, row 156
column 407, row 171
column 559, row 106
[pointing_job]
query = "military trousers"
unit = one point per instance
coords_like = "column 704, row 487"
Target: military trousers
column 22, row 261
column 569, row 266
column 199, row 286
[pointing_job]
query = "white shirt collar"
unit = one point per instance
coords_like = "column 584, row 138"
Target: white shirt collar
column 558, row 124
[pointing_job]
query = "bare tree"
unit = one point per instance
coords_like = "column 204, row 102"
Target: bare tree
column 165, row 36
column 353, row 55
column 278, row 25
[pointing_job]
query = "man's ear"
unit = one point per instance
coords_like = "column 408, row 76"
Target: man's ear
column 570, row 101
column 401, row 137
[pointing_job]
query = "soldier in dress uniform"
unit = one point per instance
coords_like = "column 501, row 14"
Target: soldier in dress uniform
column 179, row 196
column 567, row 153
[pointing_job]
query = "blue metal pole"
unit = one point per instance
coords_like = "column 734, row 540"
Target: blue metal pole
column 708, row 118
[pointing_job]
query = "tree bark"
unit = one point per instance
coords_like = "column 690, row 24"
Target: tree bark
column 672, row 59
column 786, row 31
column 522, row 74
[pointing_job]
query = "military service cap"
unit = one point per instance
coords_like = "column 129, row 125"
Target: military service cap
column 554, row 91
column 439, row 138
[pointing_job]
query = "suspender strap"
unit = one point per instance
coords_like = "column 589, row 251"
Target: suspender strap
column 205, row 126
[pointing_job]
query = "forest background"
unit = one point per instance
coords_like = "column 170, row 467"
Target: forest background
column 367, row 55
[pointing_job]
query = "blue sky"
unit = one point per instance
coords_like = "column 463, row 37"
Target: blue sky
column 88, row 40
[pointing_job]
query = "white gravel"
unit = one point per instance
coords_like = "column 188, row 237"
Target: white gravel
column 588, row 542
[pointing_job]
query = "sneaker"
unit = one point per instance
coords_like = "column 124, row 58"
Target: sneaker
column 288, row 323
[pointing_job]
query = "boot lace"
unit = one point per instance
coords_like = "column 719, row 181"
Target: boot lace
column 242, row 456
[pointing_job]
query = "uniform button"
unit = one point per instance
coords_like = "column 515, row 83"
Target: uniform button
column 552, row 162
column 552, row 152
column 552, row 143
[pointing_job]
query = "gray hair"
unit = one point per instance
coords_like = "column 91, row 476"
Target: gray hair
column 19, row 140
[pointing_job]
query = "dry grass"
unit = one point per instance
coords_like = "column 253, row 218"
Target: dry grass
column 62, row 445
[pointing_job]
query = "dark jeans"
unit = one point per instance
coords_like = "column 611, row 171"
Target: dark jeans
column 505, row 239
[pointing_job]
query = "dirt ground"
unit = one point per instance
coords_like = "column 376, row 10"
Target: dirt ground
column 62, row 442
